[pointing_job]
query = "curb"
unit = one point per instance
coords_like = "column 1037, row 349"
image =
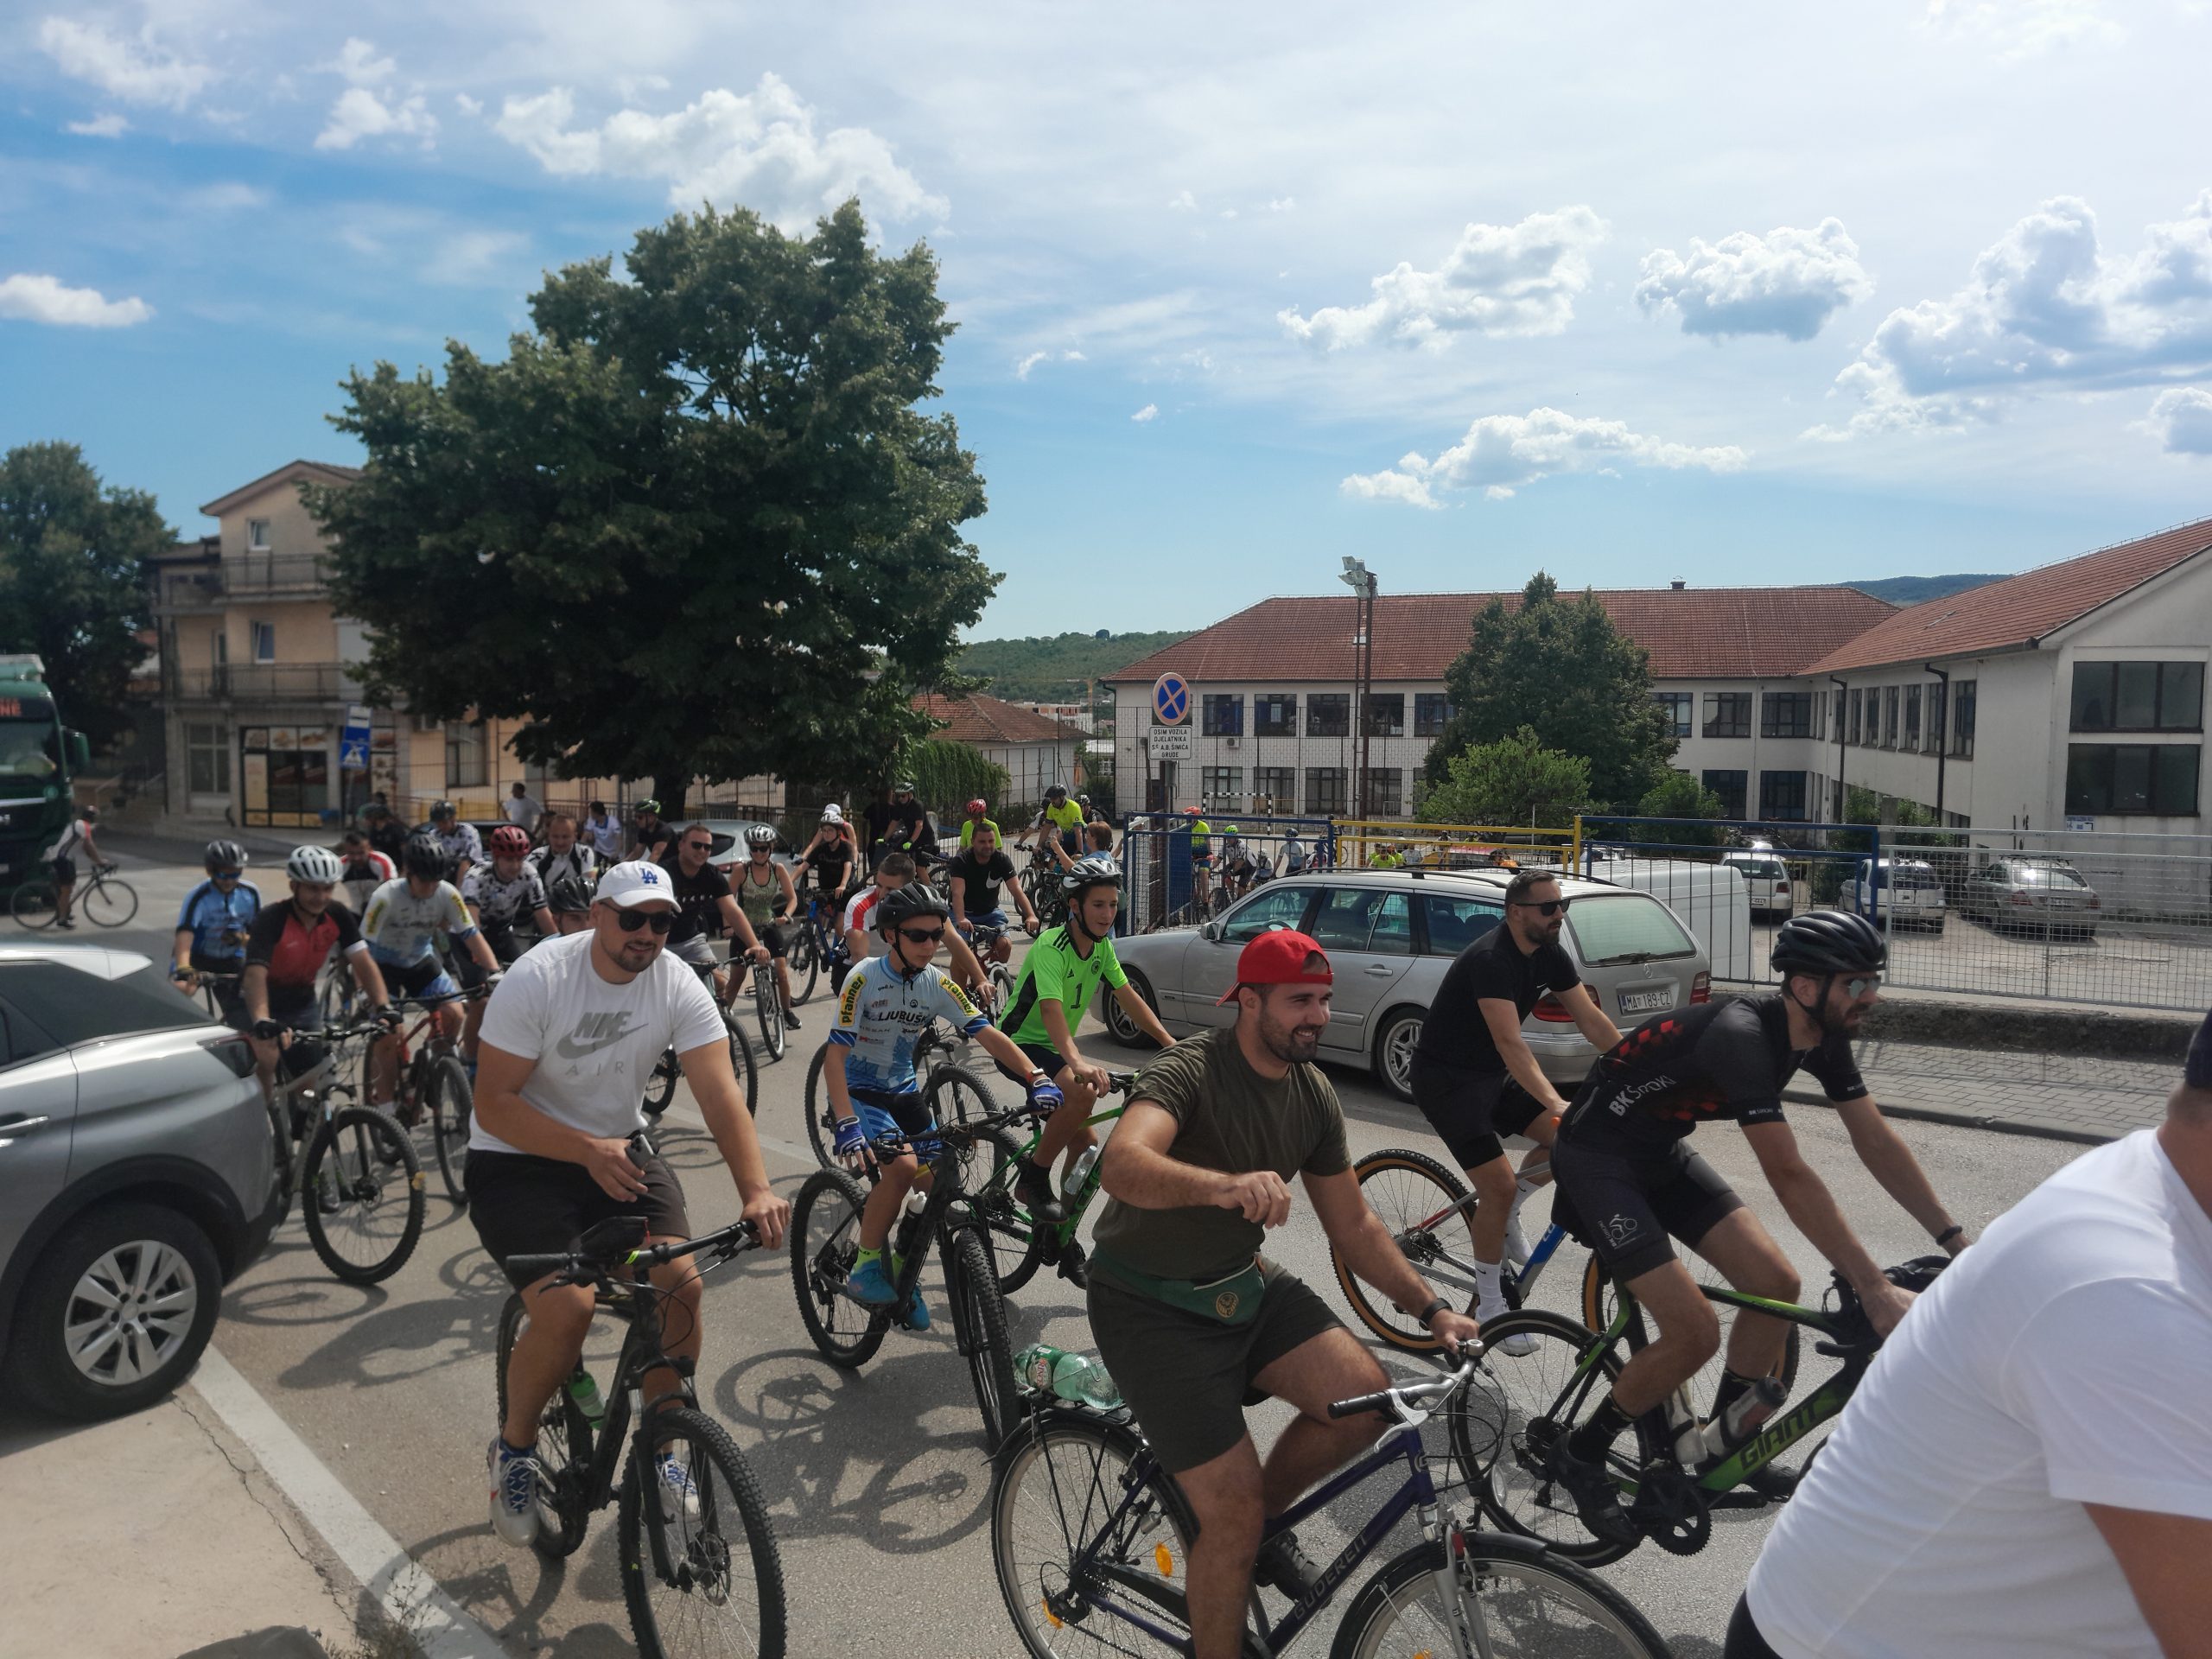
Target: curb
column 2035, row 1128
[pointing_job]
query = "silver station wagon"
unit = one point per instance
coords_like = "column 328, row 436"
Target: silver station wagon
column 1390, row 935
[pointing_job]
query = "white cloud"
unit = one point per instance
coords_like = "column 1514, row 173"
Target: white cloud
column 1501, row 452
column 759, row 148
column 470, row 257
column 2045, row 308
column 1787, row 282
column 359, row 63
column 43, row 299
column 361, row 113
column 2181, row 418
column 1283, row 205
column 1150, row 411
column 1499, row 280
column 101, row 126
column 466, row 104
column 1024, row 366
column 226, row 196
column 135, row 71
column 2024, row 29
column 1182, row 202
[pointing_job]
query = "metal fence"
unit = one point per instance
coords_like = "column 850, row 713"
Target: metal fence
column 1162, row 888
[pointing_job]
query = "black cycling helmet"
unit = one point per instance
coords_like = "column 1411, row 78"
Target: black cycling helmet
column 423, row 857
column 1829, row 942
column 442, row 809
column 902, row 905
column 649, row 805
column 1092, row 870
column 225, row 855
column 569, row 895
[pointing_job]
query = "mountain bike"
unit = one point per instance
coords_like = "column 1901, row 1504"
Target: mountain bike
column 968, row 1098
column 103, row 898
column 354, row 1168
column 1669, row 1483
column 712, row 1580
column 1020, row 1246
column 815, row 946
column 432, row 1093
column 660, row 1081
column 758, row 979
column 825, row 1239
column 998, row 977
column 1090, row 1540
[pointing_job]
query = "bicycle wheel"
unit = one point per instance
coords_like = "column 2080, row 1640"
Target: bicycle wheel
column 805, row 964
column 1426, row 1209
column 825, row 1236
column 660, row 1083
column 768, row 1009
column 741, row 1061
column 955, row 1095
column 1600, row 1301
column 108, row 902
column 451, row 1103
column 1502, row 1433
column 334, row 994
column 36, row 903
column 979, row 1320
column 564, row 1449
column 701, row 1574
column 821, row 1121
column 363, row 1195
column 1016, row 1248
column 1513, row 1599
column 280, row 1135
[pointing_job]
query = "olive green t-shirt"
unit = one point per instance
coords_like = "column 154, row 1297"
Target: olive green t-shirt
column 1235, row 1120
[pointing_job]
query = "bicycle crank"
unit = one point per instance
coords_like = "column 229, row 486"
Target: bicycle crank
column 1669, row 1509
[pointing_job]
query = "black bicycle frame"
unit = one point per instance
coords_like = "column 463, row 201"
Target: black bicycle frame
column 936, row 1224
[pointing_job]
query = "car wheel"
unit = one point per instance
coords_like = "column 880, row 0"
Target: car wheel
column 1394, row 1051
column 116, row 1312
column 1122, row 1029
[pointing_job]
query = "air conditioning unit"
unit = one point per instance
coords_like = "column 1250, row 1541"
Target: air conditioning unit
column 427, row 723
column 1232, row 743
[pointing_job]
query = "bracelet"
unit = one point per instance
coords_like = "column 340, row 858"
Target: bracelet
column 1949, row 1233
column 1440, row 1306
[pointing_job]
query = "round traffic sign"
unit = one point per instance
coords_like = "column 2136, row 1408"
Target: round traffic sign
column 1170, row 699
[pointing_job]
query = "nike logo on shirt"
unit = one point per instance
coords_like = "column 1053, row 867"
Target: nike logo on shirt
column 595, row 1032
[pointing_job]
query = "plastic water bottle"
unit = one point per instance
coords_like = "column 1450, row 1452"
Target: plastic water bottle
column 1756, row 1404
column 585, row 1393
column 1079, row 1171
column 1033, row 1365
column 1082, row 1381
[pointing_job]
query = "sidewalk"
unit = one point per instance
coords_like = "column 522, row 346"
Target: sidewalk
column 2059, row 1096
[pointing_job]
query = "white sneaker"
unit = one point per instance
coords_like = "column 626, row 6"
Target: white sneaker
column 514, row 1476
column 1486, row 1309
column 678, row 1497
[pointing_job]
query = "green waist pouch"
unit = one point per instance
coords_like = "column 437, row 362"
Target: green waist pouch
column 1232, row 1300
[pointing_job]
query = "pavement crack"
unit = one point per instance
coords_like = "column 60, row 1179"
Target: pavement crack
column 247, row 1472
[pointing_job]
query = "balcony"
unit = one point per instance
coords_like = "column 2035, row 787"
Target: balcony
column 263, row 682
column 252, row 575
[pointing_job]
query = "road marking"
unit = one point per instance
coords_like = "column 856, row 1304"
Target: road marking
column 440, row 1625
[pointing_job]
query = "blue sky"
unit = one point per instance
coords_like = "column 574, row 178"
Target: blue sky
column 1739, row 294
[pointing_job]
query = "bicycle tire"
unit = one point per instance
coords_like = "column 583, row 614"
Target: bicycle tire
column 108, row 902
column 372, row 1164
column 822, row 1248
column 979, row 1320
column 660, row 1083
column 740, row 1062
column 1500, row 1452
column 1016, row 1248
column 953, row 1094
column 564, row 1451
column 711, row 1569
column 806, row 965
column 821, row 1124
column 35, row 905
column 280, row 1135
column 453, row 1103
column 1599, row 1303
column 768, row 1009
column 1512, row 1582
column 1428, row 1188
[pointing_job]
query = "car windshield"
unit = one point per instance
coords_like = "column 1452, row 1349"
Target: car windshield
column 30, row 744
column 1913, row 878
column 1762, row 869
column 1609, row 926
column 71, row 1006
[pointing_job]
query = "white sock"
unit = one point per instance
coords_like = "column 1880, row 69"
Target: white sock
column 1488, row 1291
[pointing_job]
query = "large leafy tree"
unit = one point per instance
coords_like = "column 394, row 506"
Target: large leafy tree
column 695, row 524
column 71, row 587
column 1516, row 780
column 1560, row 667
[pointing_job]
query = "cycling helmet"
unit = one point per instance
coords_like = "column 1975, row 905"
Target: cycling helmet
column 833, row 813
column 1829, row 942
column 318, row 866
column 423, row 857
column 902, row 905
column 902, row 789
column 508, row 838
column 1092, row 870
column 976, row 809
column 570, row 894
column 441, row 809
column 760, row 835
column 225, row 855
column 1057, row 792
column 649, row 805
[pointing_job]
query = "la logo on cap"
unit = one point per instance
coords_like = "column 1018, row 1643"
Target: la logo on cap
column 650, row 876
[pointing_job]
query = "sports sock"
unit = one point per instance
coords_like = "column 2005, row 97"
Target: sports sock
column 1732, row 1387
column 1589, row 1442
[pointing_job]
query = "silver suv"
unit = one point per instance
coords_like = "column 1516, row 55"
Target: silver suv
column 1390, row 934
column 136, row 1177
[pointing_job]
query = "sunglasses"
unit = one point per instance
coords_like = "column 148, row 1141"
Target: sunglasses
column 1549, row 907
column 922, row 935
column 630, row 920
column 228, row 875
column 699, row 846
column 1855, row 989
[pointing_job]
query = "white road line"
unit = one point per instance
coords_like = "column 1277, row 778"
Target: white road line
column 439, row 1625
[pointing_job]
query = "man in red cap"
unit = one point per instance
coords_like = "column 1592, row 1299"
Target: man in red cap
column 1190, row 1317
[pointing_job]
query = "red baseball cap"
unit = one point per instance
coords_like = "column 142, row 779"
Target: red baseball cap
column 1279, row 957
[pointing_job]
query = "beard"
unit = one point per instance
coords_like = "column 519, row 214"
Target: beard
column 1290, row 1044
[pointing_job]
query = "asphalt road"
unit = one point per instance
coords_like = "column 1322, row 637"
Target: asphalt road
column 877, row 1479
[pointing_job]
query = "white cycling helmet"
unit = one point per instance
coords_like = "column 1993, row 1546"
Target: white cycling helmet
column 833, row 813
column 316, row 865
column 760, row 835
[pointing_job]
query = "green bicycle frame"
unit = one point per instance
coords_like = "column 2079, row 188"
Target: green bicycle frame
column 1078, row 1202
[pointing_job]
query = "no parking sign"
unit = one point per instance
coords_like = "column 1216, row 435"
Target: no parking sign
column 1171, row 700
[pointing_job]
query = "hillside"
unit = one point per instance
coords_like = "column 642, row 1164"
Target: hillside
column 1053, row 668
column 1915, row 590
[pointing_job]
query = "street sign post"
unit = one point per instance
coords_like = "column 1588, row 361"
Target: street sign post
column 1170, row 743
column 353, row 741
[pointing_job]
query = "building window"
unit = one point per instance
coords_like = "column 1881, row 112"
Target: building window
column 1325, row 786
column 1890, row 699
column 1838, row 715
column 1857, row 698
column 2153, row 780
column 1938, row 708
column 1386, row 791
column 2138, row 697
column 1820, row 714
column 264, row 641
column 464, row 754
column 1729, row 786
column 1221, row 787
column 1782, row 795
column 257, row 535
column 1962, row 720
column 1786, row 713
column 1912, row 718
column 1276, row 715
column 1431, row 711
column 1680, row 706
column 1328, row 713
column 1222, row 715
column 207, row 759
column 1727, row 714
column 1386, row 715
column 1274, row 789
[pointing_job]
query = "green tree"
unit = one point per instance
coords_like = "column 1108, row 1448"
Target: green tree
column 72, row 585
column 947, row 775
column 695, row 524
column 1516, row 780
column 1678, row 795
column 1560, row 668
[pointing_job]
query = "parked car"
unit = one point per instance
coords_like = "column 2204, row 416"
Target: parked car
column 1766, row 880
column 2018, row 890
column 1390, row 934
column 1896, row 892
column 136, row 1177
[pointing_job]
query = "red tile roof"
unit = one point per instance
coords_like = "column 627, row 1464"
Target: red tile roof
column 986, row 720
column 1691, row 632
column 2020, row 610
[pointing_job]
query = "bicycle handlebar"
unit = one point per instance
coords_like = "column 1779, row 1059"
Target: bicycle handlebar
column 576, row 1268
column 896, row 1141
column 1396, row 1400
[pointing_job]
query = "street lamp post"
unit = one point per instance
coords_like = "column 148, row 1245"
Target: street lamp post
column 1357, row 577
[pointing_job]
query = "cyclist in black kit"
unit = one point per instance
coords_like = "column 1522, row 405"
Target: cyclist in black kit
column 1628, row 1179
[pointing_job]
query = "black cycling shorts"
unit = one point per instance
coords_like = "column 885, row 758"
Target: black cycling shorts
column 1472, row 1111
column 524, row 1204
column 772, row 935
column 1626, row 1209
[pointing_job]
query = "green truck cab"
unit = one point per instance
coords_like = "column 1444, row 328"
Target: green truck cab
column 39, row 760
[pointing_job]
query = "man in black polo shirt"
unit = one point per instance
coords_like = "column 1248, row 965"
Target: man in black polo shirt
column 1474, row 1078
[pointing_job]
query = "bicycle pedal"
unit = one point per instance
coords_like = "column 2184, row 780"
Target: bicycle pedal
column 1741, row 1498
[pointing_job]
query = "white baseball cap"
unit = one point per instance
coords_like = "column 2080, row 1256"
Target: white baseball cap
column 635, row 881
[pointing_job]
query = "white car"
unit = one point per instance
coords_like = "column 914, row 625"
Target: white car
column 1766, row 880
column 1900, row 891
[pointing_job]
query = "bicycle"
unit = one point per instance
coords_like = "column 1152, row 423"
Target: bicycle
column 660, row 1081
column 759, row 979
column 1090, row 1538
column 431, row 1087
column 350, row 1169
column 998, row 977
column 1670, row 1482
column 1029, row 1247
column 207, row 988
column 700, row 1561
column 813, row 946
column 934, row 1053
column 825, row 1239
column 102, row 899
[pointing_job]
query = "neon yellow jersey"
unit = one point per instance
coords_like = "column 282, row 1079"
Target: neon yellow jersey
column 1066, row 815
column 1199, row 831
column 968, row 833
column 1055, row 971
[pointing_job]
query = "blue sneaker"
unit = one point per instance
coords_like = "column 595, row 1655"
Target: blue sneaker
column 869, row 1284
column 514, row 1493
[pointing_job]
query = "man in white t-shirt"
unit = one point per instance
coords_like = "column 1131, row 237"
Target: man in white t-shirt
column 568, row 1041
column 523, row 809
column 2027, row 1469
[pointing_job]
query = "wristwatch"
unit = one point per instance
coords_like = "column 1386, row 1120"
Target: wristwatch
column 1441, row 1305
column 1949, row 1233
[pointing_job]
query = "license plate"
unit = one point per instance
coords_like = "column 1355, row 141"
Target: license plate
column 1647, row 1002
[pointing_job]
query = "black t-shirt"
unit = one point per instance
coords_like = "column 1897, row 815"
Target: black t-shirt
column 698, row 900
column 1713, row 1060
column 388, row 837
column 876, row 815
column 906, row 823
column 830, row 860
column 1455, row 1034
column 980, row 882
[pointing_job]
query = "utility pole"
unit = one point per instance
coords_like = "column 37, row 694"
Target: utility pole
column 1361, row 580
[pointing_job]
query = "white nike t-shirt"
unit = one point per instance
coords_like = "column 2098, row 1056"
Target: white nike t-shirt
column 2062, row 1361
column 595, row 1042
